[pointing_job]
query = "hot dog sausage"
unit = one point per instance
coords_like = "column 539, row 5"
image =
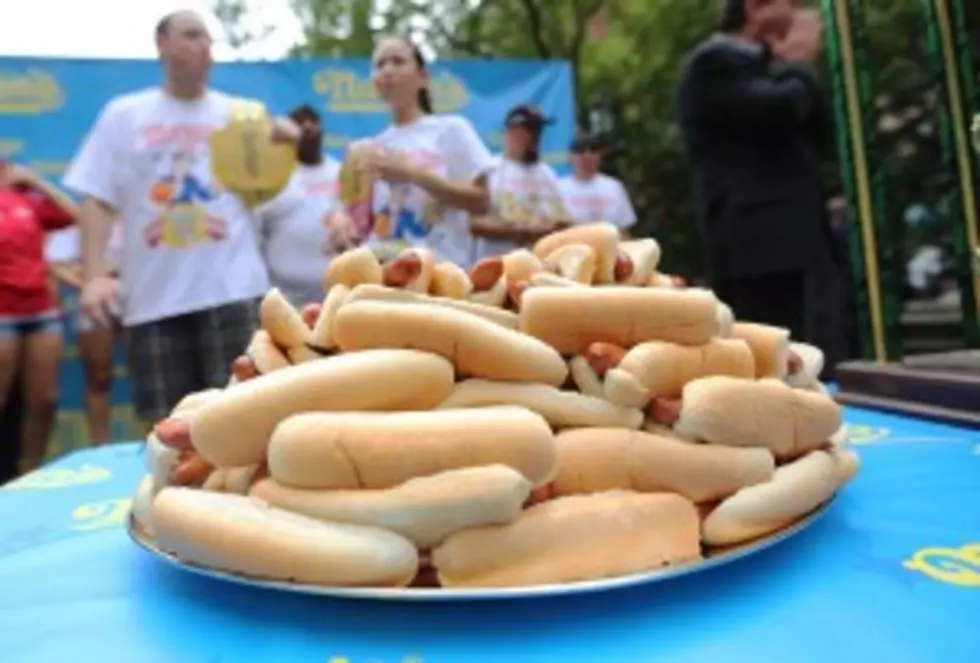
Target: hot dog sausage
column 174, row 433
column 243, row 368
column 192, row 470
column 401, row 271
column 515, row 291
column 485, row 273
column 603, row 357
column 310, row 313
column 623, row 269
column 664, row 411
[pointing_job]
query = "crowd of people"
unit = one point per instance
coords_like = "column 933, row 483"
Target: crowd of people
column 172, row 265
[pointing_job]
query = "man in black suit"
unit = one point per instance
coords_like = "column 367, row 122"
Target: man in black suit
column 751, row 115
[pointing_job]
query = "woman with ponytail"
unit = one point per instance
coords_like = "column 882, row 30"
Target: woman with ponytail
column 430, row 170
column 525, row 201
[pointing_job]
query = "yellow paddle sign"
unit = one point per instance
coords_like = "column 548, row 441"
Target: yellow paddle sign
column 244, row 158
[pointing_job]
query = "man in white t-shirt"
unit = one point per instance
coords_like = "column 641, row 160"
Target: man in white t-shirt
column 591, row 196
column 305, row 226
column 190, row 272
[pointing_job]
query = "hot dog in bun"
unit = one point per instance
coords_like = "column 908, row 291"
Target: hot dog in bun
column 592, row 460
column 246, row 536
column 645, row 256
column 283, row 322
column 764, row 413
column 391, row 295
column 322, row 335
column 425, row 510
column 795, row 490
column 476, row 347
column 575, row 262
column 450, row 280
column 583, row 537
column 769, row 344
column 234, row 429
column 562, row 409
column 351, row 450
column 662, row 369
column 571, row 319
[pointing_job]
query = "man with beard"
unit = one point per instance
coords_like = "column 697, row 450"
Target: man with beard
column 305, row 226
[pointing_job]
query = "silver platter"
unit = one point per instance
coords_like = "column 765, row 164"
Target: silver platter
column 713, row 558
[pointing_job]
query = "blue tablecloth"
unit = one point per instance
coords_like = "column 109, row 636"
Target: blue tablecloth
column 891, row 573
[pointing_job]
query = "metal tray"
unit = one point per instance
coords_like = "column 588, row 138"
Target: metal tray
column 712, row 558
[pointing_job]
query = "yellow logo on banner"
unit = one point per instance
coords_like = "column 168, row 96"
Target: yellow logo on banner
column 866, row 434
column 101, row 515
column 29, row 92
column 954, row 566
column 10, row 147
column 344, row 91
column 60, row 478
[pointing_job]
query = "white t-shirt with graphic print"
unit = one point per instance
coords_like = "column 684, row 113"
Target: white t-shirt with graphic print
column 406, row 215
column 293, row 234
column 187, row 245
column 519, row 192
column 66, row 245
column 601, row 198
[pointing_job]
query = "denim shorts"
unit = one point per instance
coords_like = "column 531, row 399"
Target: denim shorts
column 18, row 326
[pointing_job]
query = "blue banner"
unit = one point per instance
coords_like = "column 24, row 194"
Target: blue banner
column 48, row 105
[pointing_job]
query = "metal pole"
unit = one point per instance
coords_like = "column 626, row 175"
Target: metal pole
column 854, row 106
column 956, row 136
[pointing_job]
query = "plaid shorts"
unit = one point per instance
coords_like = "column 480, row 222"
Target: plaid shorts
column 168, row 359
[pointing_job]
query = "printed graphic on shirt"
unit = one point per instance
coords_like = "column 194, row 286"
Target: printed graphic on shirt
column 180, row 197
column 407, row 214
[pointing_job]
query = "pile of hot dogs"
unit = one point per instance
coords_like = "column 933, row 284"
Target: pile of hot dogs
column 551, row 416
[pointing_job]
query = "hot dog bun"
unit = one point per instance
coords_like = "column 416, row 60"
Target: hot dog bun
column 645, row 255
column 233, row 430
column 159, row 461
column 602, row 237
column 450, row 280
column 547, row 279
column 282, row 321
column 351, row 450
column 571, row 319
column 476, row 347
column 302, row 354
column 586, row 379
column 266, row 355
column 322, row 335
column 662, row 369
column 725, row 320
column 424, row 510
column 583, row 537
column 764, row 413
column 235, row 480
column 813, row 363
column 143, row 504
column 352, row 268
column 795, row 490
column 195, row 399
column 561, row 409
column 575, row 262
column 769, row 344
column 377, row 293
column 592, row 460
column 423, row 280
column 521, row 265
column 244, row 535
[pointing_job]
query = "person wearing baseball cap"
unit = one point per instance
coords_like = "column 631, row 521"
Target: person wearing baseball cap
column 525, row 201
column 592, row 196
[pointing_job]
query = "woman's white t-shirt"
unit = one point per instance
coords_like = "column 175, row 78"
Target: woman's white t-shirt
column 600, row 198
column 405, row 214
column 519, row 192
column 294, row 235
column 187, row 244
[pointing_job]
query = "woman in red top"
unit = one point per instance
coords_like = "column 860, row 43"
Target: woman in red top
column 30, row 323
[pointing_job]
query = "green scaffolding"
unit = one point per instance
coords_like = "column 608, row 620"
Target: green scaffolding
column 875, row 242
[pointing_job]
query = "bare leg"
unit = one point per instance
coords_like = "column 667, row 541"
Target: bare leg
column 96, row 349
column 41, row 360
column 9, row 363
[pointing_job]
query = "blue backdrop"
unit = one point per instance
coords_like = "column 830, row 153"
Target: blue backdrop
column 48, row 105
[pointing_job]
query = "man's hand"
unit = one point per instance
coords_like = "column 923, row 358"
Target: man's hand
column 100, row 300
column 343, row 235
column 803, row 42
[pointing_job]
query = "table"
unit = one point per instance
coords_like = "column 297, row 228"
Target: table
column 890, row 573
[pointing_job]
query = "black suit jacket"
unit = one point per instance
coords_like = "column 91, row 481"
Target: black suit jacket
column 753, row 132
